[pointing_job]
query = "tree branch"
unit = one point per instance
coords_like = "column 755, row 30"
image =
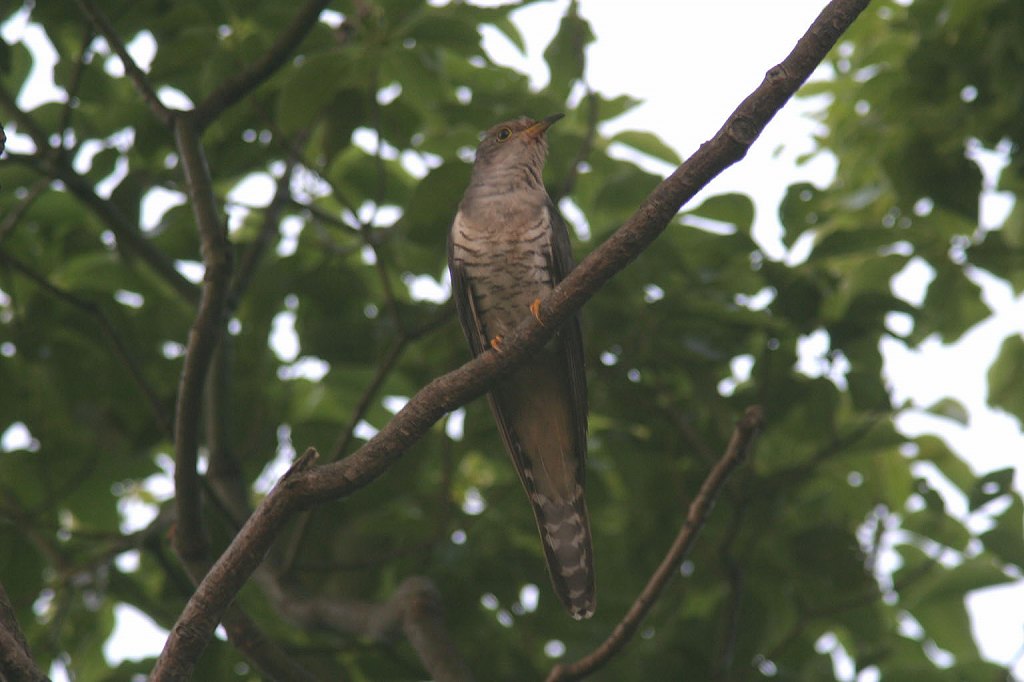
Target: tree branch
column 740, row 444
column 233, row 90
column 129, row 239
column 137, row 75
column 308, row 486
column 120, row 348
column 192, row 631
column 189, row 540
column 15, row 658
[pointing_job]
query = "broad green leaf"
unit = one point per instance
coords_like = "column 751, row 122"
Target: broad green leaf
column 566, row 54
column 734, row 209
column 1005, row 375
column 650, row 144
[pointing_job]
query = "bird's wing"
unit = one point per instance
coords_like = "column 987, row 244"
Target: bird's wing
column 465, row 303
column 561, row 263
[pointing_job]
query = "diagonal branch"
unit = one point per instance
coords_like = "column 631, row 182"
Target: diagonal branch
column 233, row 90
column 740, row 443
column 309, row 486
column 137, row 75
column 120, row 348
column 15, row 658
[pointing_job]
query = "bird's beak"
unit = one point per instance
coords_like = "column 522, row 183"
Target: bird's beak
column 541, row 126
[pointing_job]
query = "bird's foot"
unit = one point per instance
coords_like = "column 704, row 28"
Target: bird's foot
column 496, row 343
column 535, row 309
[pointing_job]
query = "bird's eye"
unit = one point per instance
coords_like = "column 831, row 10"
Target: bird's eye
column 504, row 134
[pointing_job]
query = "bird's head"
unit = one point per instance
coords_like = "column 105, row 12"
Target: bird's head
column 519, row 141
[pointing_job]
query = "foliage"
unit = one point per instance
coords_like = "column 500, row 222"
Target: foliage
column 359, row 143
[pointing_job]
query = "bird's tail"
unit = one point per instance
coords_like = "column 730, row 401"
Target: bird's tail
column 547, row 442
column 565, row 533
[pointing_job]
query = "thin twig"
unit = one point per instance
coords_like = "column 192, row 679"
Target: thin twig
column 26, row 124
column 14, row 216
column 234, row 89
column 742, row 439
column 121, row 350
column 583, row 153
column 74, row 82
column 270, row 228
column 384, row 368
column 129, row 238
column 312, row 486
column 137, row 75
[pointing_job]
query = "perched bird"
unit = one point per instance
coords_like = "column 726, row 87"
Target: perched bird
column 508, row 247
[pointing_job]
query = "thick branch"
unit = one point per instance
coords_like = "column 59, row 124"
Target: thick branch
column 15, row 658
column 739, row 445
column 235, row 89
column 203, row 611
column 310, row 486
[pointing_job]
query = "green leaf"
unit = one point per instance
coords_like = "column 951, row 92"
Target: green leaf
column 566, row 54
column 937, row 602
column 933, row 449
column 734, row 209
column 990, row 486
column 950, row 409
column 1006, row 539
column 311, row 86
column 953, row 305
column 1005, row 377
column 650, row 144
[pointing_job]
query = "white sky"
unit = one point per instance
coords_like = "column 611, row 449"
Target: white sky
column 692, row 62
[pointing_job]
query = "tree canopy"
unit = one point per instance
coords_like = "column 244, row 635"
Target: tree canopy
column 153, row 267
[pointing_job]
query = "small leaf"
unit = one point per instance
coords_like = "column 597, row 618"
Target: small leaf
column 1005, row 376
column 950, row 409
column 735, row 209
column 649, row 144
column 990, row 486
column 1006, row 539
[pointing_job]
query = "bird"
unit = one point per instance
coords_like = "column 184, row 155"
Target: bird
column 507, row 248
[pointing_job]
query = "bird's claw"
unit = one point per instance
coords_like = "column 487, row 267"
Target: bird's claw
column 496, row 343
column 535, row 309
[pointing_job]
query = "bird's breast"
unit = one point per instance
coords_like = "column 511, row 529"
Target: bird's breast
column 505, row 254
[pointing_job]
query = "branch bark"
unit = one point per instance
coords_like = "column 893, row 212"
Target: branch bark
column 740, row 443
column 189, row 538
column 15, row 658
column 305, row 486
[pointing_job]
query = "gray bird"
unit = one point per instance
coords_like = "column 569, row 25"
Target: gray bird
column 507, row 249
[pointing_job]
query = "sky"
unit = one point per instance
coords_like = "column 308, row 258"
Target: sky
column 692, row 62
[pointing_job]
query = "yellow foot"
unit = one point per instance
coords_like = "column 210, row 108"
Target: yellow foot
column 496, row 343
column 535, row 309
